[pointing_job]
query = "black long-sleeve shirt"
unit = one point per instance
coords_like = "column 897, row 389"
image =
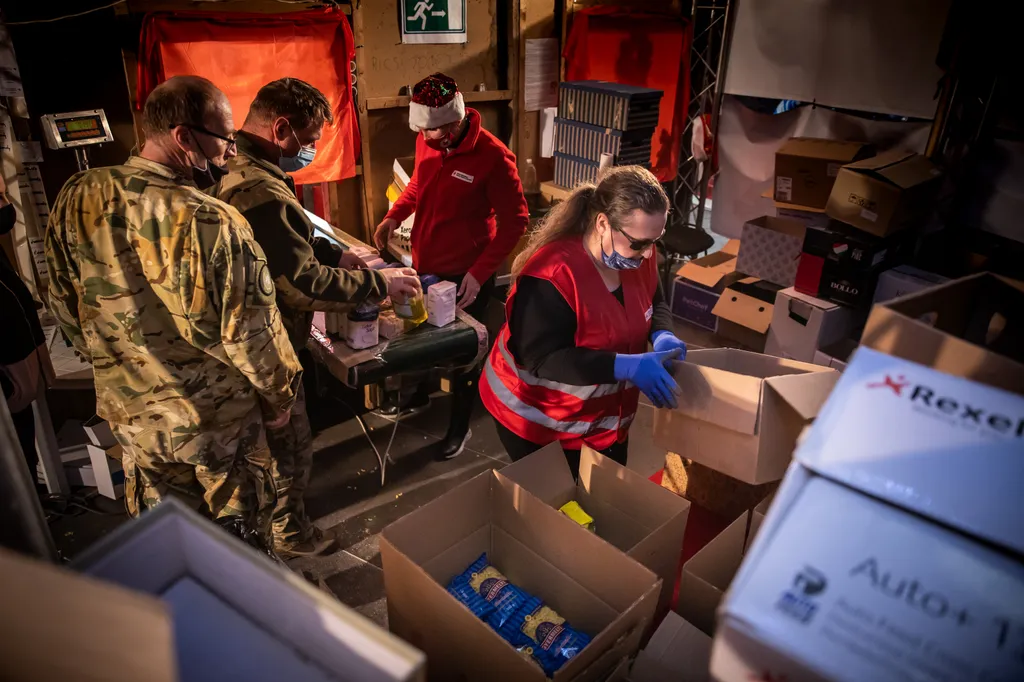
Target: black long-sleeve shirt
column 22, row 331
column 542, row 335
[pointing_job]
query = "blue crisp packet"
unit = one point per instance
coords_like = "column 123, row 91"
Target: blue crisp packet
column 547, row 637
column 487, row 593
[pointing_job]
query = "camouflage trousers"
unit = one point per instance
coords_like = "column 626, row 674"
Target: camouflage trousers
column 291, row 458
column 222, row 472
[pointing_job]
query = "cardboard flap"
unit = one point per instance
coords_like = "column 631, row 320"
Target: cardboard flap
column 819, row 148
column 731, row 247
column 713, row 395
column 709, row 270
column 880, row 161
column 805, row 393
column 545, row 473
column 636, row 496
column 793, row 228
column 736, row 304
column 910, row 172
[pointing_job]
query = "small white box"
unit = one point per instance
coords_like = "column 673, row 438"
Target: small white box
column 441, row 302
column 99, row 432
column 802, row 324
column 904, row 280
column 107, row 470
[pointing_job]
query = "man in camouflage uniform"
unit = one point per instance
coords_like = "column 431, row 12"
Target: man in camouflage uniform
column 166, row 292
column 310, row 273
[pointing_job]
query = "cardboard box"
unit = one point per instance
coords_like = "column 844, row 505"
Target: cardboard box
column 903, row 280
column 744, row 312
column 889, row 553
column 236, row 614
column 971, row 327
column 886, row 193
column 807, row 167
column 636, row 516
column 700, row 282
column 842, row 265
column 595, row 587
column 106, row 470
column 835, row 355
column 741, row 412
column 809, row 216
column 678, row 651
column 770, row 249
column 802, row 324
column 58, row 625
column 711, row 490
column 709, row 572
column 402, row 170
column 99, row 433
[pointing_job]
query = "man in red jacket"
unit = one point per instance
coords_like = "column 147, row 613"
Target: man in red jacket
column 470, row 213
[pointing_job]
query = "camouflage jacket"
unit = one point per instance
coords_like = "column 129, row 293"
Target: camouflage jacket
column 303, row 266
column 164, row 290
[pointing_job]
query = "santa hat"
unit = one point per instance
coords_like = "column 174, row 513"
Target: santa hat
column 436, row 101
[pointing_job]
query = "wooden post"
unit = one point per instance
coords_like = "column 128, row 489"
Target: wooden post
column 358, row 30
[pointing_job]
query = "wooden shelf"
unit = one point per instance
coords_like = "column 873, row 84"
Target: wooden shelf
column 398, row 102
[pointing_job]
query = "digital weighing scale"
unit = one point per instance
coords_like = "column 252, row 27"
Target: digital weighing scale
column 76, row 130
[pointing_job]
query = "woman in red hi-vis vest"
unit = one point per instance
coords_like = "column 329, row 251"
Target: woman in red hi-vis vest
column 572, row 359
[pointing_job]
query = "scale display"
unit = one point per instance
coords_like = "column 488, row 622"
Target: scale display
column 76, row 129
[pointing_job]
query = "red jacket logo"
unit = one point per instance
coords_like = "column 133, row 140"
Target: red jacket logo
column 896, row 385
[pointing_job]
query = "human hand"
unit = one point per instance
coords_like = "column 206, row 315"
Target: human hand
column 350, row 261
column 403, row 283
column 468, row 291
column 382, row 235
column 647, row 372
column 664, row 341
column 280, row 421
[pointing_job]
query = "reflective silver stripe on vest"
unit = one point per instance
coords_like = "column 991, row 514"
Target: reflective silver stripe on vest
column 581, row 392
column 532, row 414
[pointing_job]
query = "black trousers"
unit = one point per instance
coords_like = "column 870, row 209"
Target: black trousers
column 518, row 447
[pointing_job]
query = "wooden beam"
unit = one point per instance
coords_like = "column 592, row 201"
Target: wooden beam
column 515, row 71
column 358, row 30
column 399, row 101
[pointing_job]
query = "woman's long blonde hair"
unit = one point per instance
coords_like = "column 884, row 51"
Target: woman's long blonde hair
column 620, row 191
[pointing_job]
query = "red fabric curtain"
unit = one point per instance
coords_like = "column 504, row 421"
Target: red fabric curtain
column 642, row 49
column 242, row 52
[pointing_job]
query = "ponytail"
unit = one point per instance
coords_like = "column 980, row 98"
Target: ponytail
column 570, row 217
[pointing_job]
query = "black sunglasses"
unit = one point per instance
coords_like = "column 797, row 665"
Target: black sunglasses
column 199, row 129
column 639, row 245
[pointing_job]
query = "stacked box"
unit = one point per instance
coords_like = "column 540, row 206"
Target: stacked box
column 587, row 141
column 609, row 105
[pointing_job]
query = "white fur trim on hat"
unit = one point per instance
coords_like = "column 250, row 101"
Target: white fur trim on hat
column 422, row 117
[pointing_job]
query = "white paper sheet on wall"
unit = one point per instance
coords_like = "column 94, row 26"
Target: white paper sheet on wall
column 541, row 73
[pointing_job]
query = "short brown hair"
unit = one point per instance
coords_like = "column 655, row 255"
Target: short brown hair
column 296, row 100
column 181, row 100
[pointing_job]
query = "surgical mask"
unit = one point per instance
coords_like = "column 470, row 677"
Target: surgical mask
column 291, row 164
column 616, row 261
column 206, row 178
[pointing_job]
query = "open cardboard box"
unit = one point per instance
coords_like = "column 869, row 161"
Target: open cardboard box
column 58, row 625
column 678, row 652
column 802, row 324
column 708, row 573
column 635, row 515
column 700, row 282
column 239, row 616
column 770, row 249
column 971, row 327
column 595, row 587
column 806, row 168
column 744, row 311
column 741, row 413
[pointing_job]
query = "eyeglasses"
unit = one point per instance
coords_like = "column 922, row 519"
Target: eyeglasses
column 199, row 129
column 639, row 245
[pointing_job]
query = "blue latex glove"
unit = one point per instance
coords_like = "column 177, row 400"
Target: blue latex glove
column 647, row 372
column 664, row 341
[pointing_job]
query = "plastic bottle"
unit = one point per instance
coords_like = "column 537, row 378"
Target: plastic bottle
column 531, row 186
column 362, row 329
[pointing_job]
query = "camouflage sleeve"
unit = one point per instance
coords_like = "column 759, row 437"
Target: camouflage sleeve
column 251, row 334
column 326, row 251
column 60, row 267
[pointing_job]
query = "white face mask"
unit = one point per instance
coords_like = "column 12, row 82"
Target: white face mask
column 291, row 164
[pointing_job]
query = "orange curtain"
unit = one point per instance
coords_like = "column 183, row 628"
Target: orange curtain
column 242, row 52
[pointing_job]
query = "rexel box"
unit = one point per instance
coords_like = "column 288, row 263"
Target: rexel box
column 699, row 284
column 770, row 249
column 56, row 624
column 678, row 651
column 708, row 573
column 886, row 193
column 802, row 324
column 236, row 614
column 635, row 515
column 806, row 168
column 742, row 412
column 744, row 311
column 971, row 327
column 891, row 552
column 595, row 587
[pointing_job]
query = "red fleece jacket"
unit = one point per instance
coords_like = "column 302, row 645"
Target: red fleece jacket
column 469, row 204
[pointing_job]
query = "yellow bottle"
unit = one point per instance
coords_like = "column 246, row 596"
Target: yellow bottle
column 413, row 311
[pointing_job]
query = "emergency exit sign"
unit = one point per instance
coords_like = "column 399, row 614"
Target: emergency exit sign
column 433, row 21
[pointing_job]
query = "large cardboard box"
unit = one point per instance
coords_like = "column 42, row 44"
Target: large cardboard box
column 700, row 282
column 708, row 573
column 594, row 586
column 770, row 249
column 741, row 413
column 239, row 616
column 636, row 516
column 903, row 280
column 678, row 651
column 886, row 193
column 58, row 625
column 744, row 311
column 807, row 167
column 809, row 216
column 802, row 324
column 971, row 327
column 890, row 552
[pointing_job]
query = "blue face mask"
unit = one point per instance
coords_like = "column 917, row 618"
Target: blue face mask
column 616, row 261
column 290, row 164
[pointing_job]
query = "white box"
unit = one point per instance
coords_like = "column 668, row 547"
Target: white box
column 99, row 432
column 904, row 280
column 107, row 470
column 678, row 651
column 239, row 616
column 441, row 303
column 802, row 324
column 868, row 565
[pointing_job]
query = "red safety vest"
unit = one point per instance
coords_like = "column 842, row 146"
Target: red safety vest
column 544, row 411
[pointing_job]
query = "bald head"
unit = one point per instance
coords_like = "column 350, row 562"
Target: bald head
column 183, row 100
